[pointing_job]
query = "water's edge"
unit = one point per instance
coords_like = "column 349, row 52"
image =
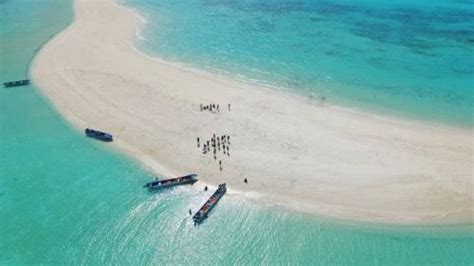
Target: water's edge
column 148, row 40
column 69, row 200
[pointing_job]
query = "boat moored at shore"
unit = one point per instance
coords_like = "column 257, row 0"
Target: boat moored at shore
column 203, row 212
column 172, row 182
column 95, row 134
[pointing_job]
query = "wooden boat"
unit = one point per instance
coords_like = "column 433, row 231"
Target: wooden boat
column 91, row 133
column 172, row 182
column 16, row 83
column 203, row 212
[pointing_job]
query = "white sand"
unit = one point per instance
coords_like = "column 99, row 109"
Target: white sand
column 306, row 156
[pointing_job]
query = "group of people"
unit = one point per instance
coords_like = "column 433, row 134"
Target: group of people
column 212, row 107
column 215, row 145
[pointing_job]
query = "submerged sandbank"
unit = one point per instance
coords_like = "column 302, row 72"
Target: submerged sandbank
column 299, row 153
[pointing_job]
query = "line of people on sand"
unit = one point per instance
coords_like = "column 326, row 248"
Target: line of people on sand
column 215, row 144
column 212, row 107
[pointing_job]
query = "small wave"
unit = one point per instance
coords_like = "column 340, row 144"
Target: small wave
column 143, row 20
column 139, row 35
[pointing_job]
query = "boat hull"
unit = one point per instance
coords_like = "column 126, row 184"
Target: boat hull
column 106, row 137
column 204, row 211
column 17, row 83
column 173, row 182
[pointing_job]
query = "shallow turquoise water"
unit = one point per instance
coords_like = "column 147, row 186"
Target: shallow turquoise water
column 68, row 200
column 410, row 58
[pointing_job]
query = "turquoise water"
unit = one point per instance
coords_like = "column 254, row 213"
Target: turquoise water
column 409, row 58
column 65, row 199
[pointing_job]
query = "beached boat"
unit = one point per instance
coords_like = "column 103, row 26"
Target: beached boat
column 172, row 182
column 16, row 83
column 203, row 212
column 98, row 135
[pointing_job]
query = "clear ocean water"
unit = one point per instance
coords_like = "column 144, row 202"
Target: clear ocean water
column 65, row 199
column 411, row 58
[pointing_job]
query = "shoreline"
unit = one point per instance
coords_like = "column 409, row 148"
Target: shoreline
column 341, row 103
column 158, row 93
column 375, row 112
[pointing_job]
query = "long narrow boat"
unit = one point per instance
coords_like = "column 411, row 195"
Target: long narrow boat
column 16, row 83
column 166, row 183
column 203, row 212
column 91, row 133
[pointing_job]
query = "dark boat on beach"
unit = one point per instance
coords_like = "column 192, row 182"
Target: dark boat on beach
column 203, row 212
column 172, row 182
column 16, row 83
column 91, row 133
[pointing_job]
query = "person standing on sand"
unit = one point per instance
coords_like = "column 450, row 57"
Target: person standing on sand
column 220, row 165
column 198, row 142
column 228, row 106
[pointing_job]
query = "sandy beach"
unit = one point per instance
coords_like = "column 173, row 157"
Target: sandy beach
column 305, row 155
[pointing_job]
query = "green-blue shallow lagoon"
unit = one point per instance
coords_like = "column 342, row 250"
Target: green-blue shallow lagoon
column 65, row 199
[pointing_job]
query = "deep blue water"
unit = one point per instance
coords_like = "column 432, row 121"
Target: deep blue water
column 409, row 58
